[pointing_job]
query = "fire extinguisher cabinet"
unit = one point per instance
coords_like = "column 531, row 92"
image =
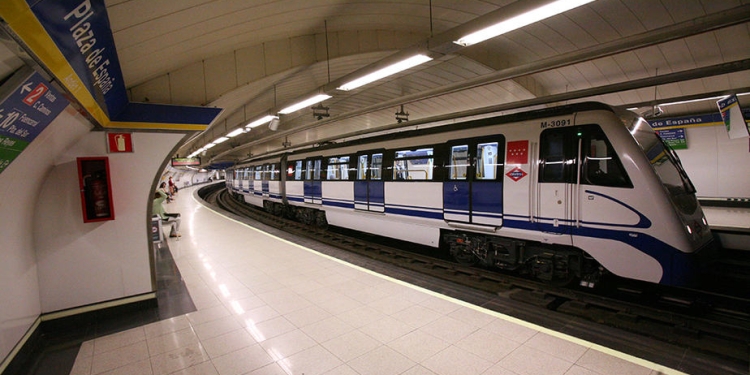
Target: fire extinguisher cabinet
column 96, row 189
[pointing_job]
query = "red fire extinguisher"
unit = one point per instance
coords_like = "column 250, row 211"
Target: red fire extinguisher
column 99, row 196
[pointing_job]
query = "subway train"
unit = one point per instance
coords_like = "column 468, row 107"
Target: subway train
column 564, row 194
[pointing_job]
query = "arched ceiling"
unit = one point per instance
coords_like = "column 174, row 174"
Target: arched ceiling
column 250, row 57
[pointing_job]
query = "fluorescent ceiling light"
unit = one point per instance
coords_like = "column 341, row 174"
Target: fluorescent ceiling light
column 308, row 102
column 521, row 20
column 220, row 139
column 235, row 132
column 206, row 147
column 260, row 121
column 385, row 72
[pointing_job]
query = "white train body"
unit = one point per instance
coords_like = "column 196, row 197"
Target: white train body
column 545, row 191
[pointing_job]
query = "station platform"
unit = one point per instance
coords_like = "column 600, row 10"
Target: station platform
column 267, row 305
column 730, row 224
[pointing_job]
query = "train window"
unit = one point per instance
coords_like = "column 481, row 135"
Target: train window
column 557, row 156
column 274, row 170
column 601, row 166
column 298, row 170
column 338, row 168
column 377, row 167
column 294, row 170
column 487, row 161
column 258, row 173
column 362, row 167
column 413, row 164
column 459, row 163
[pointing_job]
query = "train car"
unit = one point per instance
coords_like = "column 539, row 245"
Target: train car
column 562, row 194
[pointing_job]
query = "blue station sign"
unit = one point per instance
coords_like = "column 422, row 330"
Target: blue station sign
column 73, row 40
column 28, row 104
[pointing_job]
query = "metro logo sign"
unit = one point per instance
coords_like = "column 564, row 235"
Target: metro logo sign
column 35, row 94
column 516, row 174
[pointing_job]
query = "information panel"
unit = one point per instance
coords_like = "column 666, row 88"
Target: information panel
column 28, row 104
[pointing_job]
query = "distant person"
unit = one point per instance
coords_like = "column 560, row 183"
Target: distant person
column 165, row 189
column 172, row 187
column 158, row 209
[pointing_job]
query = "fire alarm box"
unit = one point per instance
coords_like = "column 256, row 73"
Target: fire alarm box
column 96, row 189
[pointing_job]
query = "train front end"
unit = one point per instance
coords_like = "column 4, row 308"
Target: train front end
column 686, row 226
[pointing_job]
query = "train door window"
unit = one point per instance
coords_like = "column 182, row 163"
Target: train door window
column 258, row 173
column 317, row 165
column 309, row 170
column 414, row 164
column 601, row 165
column 376, row 171
column 557, row 156
column 362, row 167
column 487, row 161
column 459, row 162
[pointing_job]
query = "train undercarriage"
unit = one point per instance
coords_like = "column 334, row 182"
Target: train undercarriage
column 556, row 264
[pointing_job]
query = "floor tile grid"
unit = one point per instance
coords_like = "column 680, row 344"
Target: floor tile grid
column 291, row 310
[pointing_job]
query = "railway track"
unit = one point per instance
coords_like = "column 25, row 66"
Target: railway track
column 704, row 322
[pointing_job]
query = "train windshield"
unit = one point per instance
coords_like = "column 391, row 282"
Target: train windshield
column 667, row 165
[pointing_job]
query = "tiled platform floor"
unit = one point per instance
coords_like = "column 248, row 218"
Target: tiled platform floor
column 269, row 306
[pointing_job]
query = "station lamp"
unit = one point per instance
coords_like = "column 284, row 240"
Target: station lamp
column 220, row 140
column 385, row 72
column 260, row 121
column 235, row 132
column 307, row 102
column 518, row 21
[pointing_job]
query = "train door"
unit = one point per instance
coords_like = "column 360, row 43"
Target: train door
column 256, row 183
column 369, row 189
column 558, row 166
column 473, row 190
column 578, row 170
column 313, row 186
column 265, row 187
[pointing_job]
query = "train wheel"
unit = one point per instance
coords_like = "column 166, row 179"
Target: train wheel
column 465, row 258
column 320, row 220
column 307, row 216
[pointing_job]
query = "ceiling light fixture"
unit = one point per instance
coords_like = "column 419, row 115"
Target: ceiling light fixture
column 220, row 139
column 235, row 132
column 521, row 20
column 260, row 121
column 206, row 147
column 297, row 106
column 385, row 72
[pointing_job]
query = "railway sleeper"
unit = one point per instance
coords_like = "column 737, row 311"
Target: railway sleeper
column 559, row 265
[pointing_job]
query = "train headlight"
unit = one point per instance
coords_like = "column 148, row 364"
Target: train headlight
column 690, row 230
column 704, row 221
